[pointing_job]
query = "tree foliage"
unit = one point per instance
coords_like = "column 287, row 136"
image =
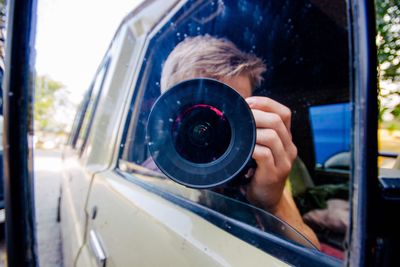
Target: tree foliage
column 388, row 39
column 45, row 98
column 388, row 44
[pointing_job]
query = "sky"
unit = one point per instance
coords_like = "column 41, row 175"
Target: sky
column 72, row 37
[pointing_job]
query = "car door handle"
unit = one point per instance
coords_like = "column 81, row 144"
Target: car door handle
column 97, row 249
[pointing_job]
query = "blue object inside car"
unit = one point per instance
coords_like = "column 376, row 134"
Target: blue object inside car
column 331, row 126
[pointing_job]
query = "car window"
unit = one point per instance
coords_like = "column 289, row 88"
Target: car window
column 91, row 105
column 125, row 50
column 304, row 45
column 78, row 120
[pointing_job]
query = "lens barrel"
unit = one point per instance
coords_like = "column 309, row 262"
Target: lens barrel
column 201, row 133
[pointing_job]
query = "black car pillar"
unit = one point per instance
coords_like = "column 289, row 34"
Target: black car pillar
column 18, row 84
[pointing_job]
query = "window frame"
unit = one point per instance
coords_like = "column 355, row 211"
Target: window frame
column 366, row 218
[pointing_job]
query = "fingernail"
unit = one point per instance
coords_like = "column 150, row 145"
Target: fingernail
column 250, row 101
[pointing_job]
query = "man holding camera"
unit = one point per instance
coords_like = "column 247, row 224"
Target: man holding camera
column 274, row 153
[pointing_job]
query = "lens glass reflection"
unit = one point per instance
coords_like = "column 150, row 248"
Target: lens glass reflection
column 201, row 133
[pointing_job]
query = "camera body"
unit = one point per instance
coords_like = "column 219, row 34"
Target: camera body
column 201, row 133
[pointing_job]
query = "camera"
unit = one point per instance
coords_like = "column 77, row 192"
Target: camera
column 201, row 133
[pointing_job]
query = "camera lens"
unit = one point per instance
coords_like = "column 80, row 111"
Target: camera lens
column 201, row 133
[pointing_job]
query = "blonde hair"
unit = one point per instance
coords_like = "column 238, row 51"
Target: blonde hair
column 210, row 57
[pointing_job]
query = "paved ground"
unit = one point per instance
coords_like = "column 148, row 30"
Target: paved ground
column 47, row 181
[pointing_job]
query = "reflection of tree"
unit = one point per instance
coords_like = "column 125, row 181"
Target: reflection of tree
column 388, row 41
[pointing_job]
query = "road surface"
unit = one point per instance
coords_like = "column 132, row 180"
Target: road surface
column 47, row 183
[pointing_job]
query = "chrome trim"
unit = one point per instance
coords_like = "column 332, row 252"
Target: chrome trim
column 97, row 249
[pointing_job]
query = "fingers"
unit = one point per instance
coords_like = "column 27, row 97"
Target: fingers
column 269, row 139
column 274, row 151
column 273, row 121
column 268, row 105
column 265, row 154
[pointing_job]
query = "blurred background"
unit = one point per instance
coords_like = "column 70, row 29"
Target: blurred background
column 388, row 43
column 72, row 37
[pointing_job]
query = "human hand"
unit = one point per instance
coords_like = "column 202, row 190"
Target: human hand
column 274, row 152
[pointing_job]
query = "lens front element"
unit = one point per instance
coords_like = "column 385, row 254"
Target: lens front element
column 201, row 133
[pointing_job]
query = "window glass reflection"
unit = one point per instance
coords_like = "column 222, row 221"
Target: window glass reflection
column 301, row 78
